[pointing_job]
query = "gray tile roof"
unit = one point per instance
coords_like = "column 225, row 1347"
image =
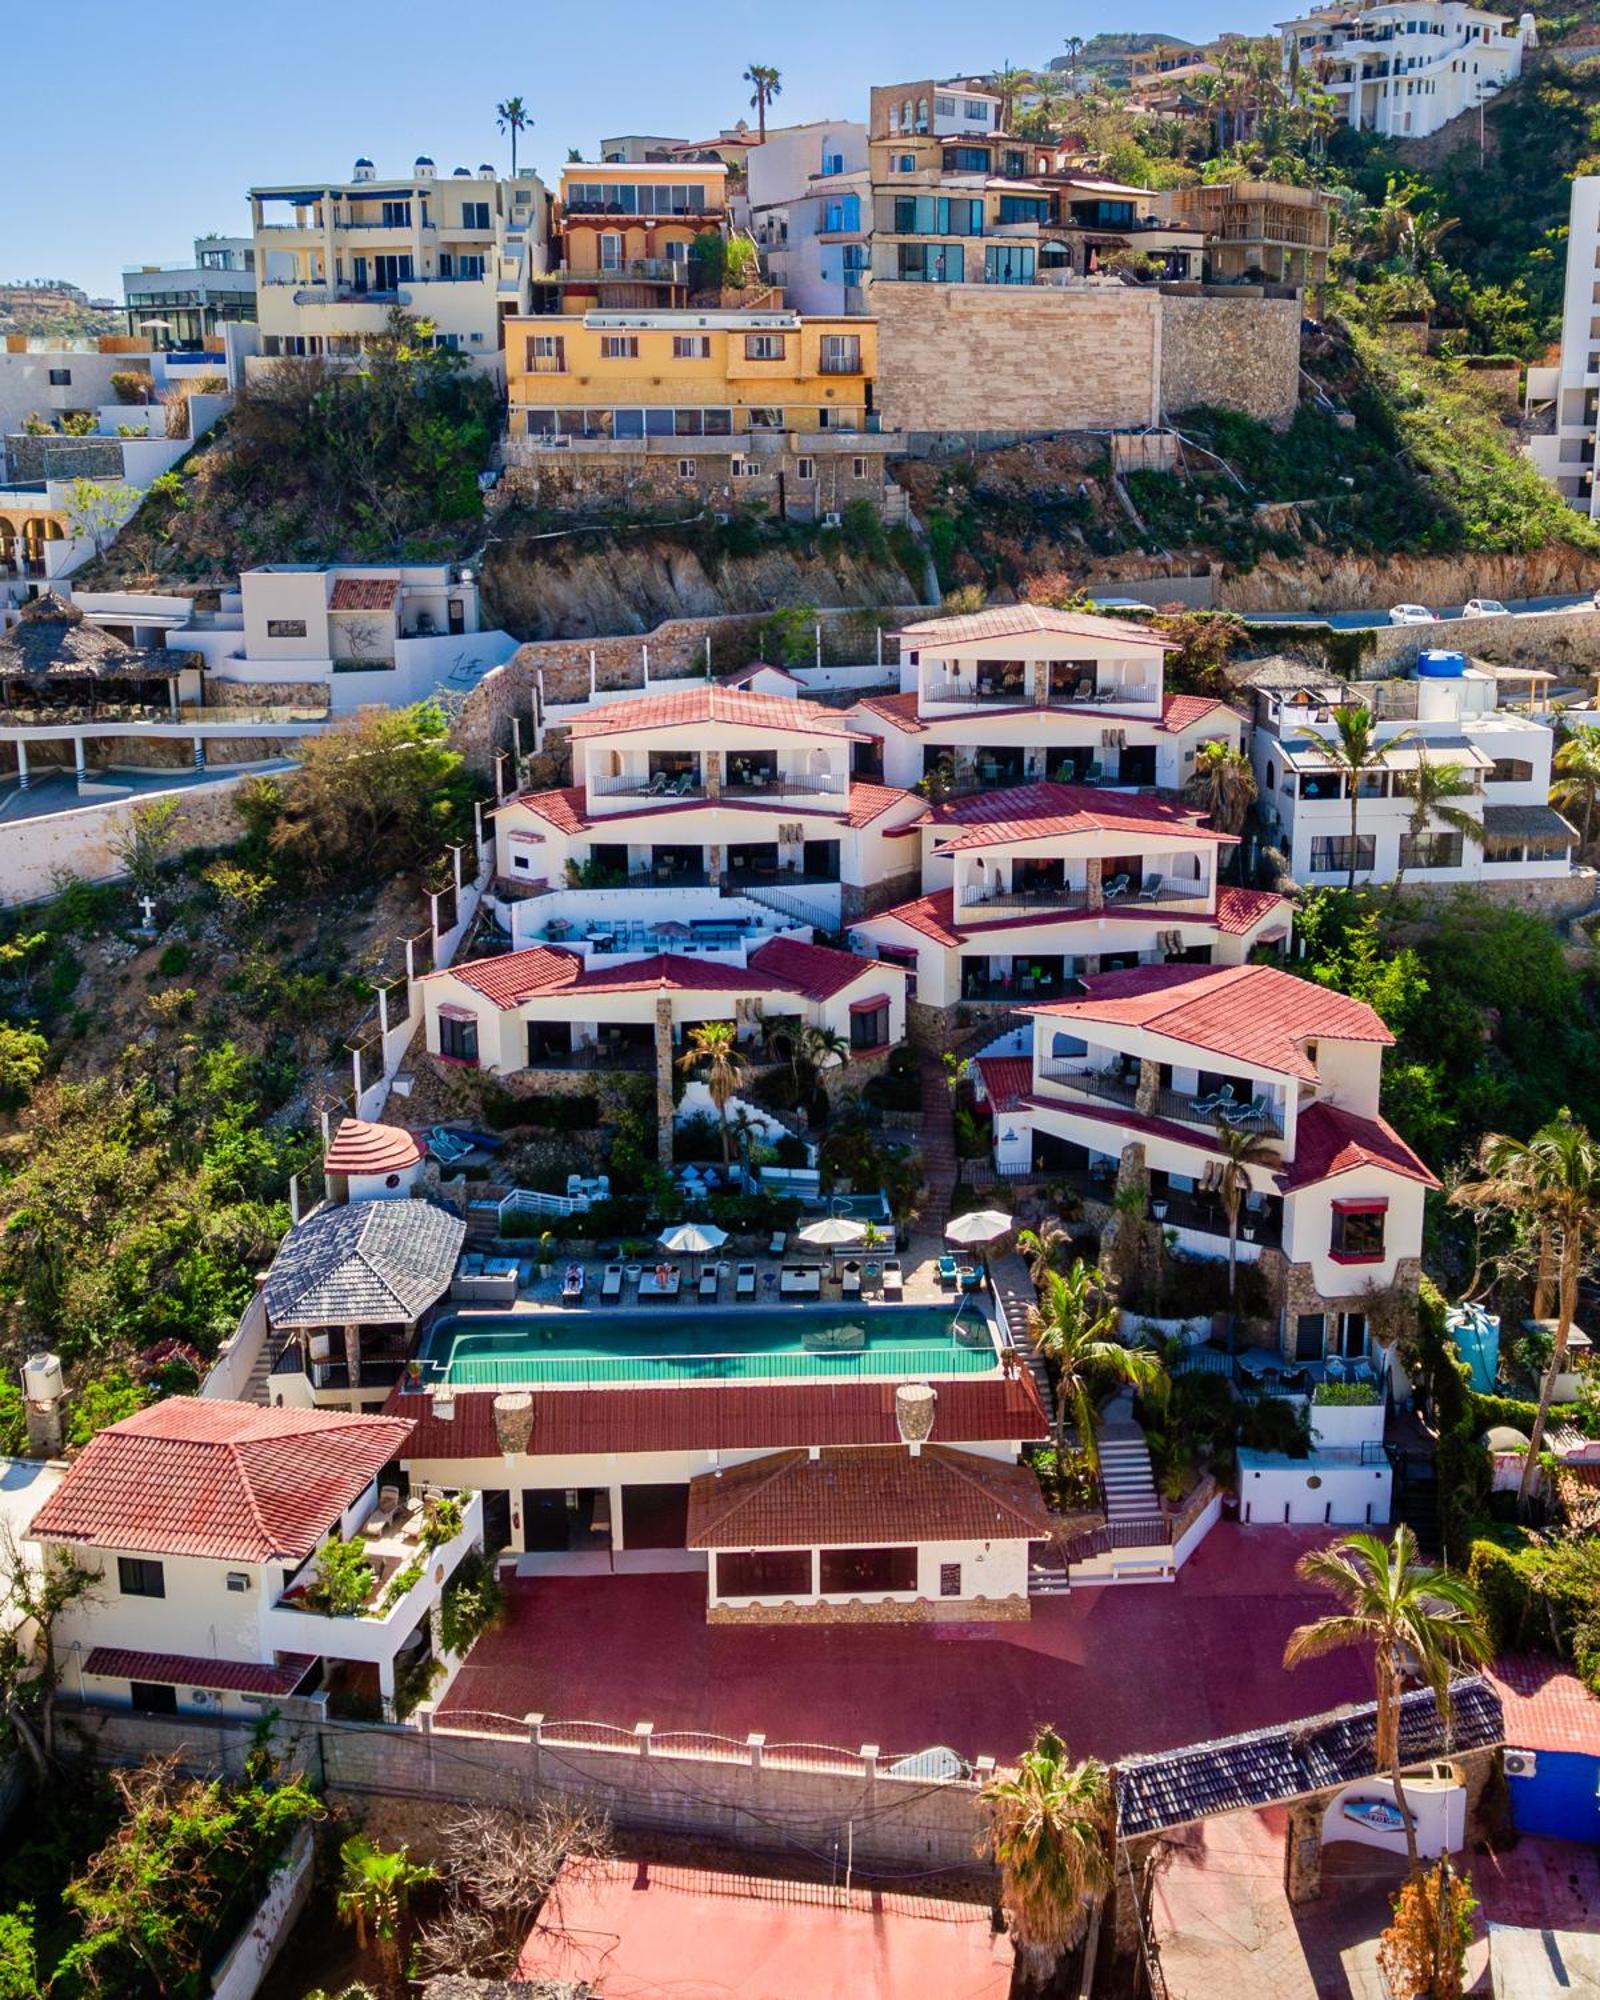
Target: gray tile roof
column 1522, row 821
column 1272, row 1766
column 383, row 1262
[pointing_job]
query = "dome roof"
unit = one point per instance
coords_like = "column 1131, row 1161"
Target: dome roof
column 363, row 161
column 361, row 1148
column 422, row 160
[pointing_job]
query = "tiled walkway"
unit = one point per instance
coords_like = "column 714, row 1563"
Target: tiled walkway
column 1123, row 1669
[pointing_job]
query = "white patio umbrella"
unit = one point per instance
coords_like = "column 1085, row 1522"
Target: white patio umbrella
column 692, row 1239
column 833, row 1232
column 979, row 1225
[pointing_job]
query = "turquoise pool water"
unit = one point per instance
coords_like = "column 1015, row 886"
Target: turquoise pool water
column 674, row 1343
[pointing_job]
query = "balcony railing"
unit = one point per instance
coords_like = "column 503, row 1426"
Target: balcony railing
column 669, row 878
column 636, row 786
column 595, row 1056
column 1182, row 1107
column 778, row 878
column 1044, row 896
column 1016, row 695
column 1012, row 991
column 784, row 784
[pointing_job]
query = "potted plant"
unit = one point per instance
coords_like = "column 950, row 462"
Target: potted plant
column 546, row 1246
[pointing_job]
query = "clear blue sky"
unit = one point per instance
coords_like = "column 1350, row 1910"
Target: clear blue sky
column 173, row 118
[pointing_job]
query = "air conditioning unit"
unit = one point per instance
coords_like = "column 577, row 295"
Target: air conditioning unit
column 1521, row 1764
column 834, row 520
column 201, row 1697
column 238, row 1579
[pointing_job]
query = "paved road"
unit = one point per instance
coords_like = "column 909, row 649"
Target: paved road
column 1354, row 621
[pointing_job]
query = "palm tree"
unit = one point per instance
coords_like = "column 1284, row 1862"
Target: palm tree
column 1431, row 788
column 512, row 117
column 1238, row 1150
column 375, row 1894
column 1421, row 1622
column 1007, row 83
column 1073, row 1326
column 1551, row 1182
column 1225, row 784
column 715, row 1043
column 1074, row 48
column 1578, row 787
column 1050, row 1833
column 767, row 85
column 825, row 1048
column 1355, row 752
column 1043, row 1248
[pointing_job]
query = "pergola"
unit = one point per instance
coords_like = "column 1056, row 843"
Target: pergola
column 53, row 659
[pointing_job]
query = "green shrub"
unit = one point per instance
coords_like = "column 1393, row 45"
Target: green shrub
column 176, row 958
column 344, row 1581
column 470, row 1603
column 1345, row 1394
column 103, row 1400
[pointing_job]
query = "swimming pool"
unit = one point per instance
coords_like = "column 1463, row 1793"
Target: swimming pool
column 676, row 1344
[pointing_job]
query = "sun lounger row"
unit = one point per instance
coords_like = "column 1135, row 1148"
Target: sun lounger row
column 666, row 1281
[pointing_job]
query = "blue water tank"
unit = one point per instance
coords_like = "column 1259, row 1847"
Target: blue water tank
column 1441, row 666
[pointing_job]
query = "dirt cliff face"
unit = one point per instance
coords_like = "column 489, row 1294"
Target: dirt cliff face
column 577, row 589
column 1321, row 580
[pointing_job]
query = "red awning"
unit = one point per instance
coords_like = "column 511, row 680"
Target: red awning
column 869, row 1006
column 121, row 1663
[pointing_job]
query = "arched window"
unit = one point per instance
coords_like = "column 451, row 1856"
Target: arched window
column 922, row 114
column 905, row 115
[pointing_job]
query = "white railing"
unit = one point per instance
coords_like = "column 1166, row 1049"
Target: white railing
column 532, row 1201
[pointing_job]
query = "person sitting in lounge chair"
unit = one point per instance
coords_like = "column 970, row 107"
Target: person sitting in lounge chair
column 572, row 1282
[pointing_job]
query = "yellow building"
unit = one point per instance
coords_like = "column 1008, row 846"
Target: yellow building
column 762, row 404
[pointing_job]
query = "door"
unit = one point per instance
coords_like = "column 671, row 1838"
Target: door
column 496, row 1520
column 359, row 280
column 546, row 1522
column 655, row 1517
column 458, row 616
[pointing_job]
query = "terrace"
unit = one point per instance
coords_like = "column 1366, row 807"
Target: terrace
column 1239, row 1101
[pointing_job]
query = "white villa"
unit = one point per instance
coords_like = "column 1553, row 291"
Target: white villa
column 1406, row 67
column 205, row 1521
column 1565, row 397
column 1449, row 714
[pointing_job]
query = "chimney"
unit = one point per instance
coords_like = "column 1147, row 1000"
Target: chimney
column 42, row 1389
column 513, row 1421
column 913, row 1413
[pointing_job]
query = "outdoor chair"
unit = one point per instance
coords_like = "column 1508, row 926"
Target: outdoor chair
column 850, row 1283
column 447, row 1147
column 572, row 1283
column 949, row 1273
column 778, row 1243
column 1243, row 1114
column 744, row 1282
column 611, row 1285
column 1334, row 1368
column 656, row 786
column 971, row 1277
column 893, row 1278
column 1151, row 892
column 708, row 1284
column 1118, row 886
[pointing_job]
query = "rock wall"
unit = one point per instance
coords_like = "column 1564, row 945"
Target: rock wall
column 1360, row 583
column 1239, row 353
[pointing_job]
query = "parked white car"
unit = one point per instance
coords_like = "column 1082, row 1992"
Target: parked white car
column 1410, row 614
column 1484, row 607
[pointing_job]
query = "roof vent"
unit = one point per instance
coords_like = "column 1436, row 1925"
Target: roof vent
column 513, row 1421
column 913, row 1412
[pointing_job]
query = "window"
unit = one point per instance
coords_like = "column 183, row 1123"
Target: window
column 691, row 347
column 60, row 378
column 474, row 215
column 869, row 1027
column 468, row 267
column 619, row 346
column 833, row 163
column 1511, row 771
column 850, row 1572
column 904, row 163
column 858, row 468
column 930, row 263
column 841, row 354
column 966, row 160
column 458, row 1038
column 763, row 347
column 1330, row 854
column 610, row 252
column 742, row 468
column 974, row 112
column 764, row 1573
column 688, row 468
column 945, row 107
column 842, row 215
column 1430, row 850
column 805, row 470
column 949, row 1579
column 547, row 354
column 766, row 417
column 286, row 628
column 137, row 1577
column 154, row 1697
column 1357, row 1236
column 936, row 215
column 397, row 215
column 1008, row 264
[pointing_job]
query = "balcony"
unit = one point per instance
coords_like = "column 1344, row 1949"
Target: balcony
column 1181, row 1107
column 1045, row 896
column 784, row 785
column 1012, row 694
column 780, row 878
column 591, row 1056
column 640, row 785
column 1012, row 989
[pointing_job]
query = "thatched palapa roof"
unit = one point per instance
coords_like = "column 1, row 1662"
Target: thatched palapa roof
column 52, row 640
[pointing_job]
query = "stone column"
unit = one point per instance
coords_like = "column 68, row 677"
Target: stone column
column 1094, row 882
column 712, row 760
column 1041, row 683
column 714, row 864
column 664, row 1104
column 1148, row 1094
column 1302, row 1852
column 352, row 1354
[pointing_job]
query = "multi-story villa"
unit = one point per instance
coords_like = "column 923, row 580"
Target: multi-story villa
column 723, row 407
column 1449, row 714
column 1564, row 400
column 1258, row 229
column 460, row 251
column 180, row 307
column 1406, row 67
column 1127, row 1083
column 811, row 212
column 626, row 230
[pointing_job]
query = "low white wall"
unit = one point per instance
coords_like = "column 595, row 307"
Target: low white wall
column 1347, row 1426
column 1196, row 1532
column 453, row 662
column 1277, row 1491
column 246, row 1965
column 1440, row 1812
column 875, row 674
column 34, row 852
column 229, row 1374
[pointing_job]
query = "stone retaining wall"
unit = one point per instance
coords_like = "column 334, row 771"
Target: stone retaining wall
column 1240, row 353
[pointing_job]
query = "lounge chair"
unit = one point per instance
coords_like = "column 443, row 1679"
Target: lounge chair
column 1151, row 892
column 447, row 1147
column 744, row 1282
column 611, row 1284
column 1117, row 887
column 800, row 1281
column 949, row 1273
column 708, row 1284
column 893, row 1278
column 572, row 1283
column 1244, row 1114
column 779, row 1243
column 971, row 1277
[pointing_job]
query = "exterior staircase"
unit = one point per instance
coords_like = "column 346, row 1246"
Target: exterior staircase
column 1126, row 1478
column 1014, row 1288
column 938, row 1145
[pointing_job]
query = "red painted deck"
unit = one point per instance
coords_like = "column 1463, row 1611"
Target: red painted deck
column 1121, row 1670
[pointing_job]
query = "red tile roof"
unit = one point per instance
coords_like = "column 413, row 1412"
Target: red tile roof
column 121, row 1663
column 722, row 1416
column 747, row 674
column 814, row 970
column 899, row 710
column 1330, row 1141
column 1240, row 910
column 707, row 703
column 1183, row 711
column 869, row 801
column 360, row 1148
column 1546, row 1706
column 781, row 964
column 364, row 593
column 933, row 916
column 1007, row 1080
column 1039, row 811
column 871, row 1494
column 566, row 809
column 1013, row 620
column 1251, row 1013
column 229, row 1481
column 1579, row 1488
